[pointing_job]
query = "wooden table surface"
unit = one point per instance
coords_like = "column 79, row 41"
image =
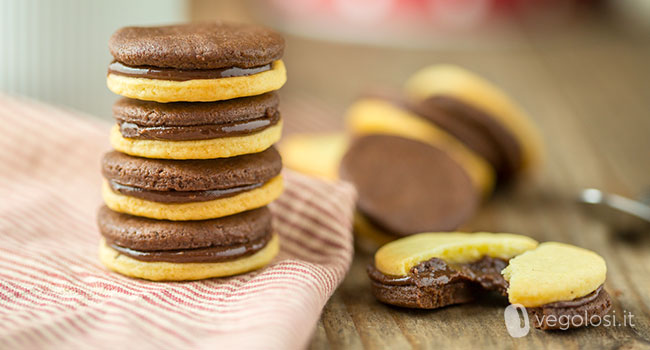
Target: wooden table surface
column 589, row 91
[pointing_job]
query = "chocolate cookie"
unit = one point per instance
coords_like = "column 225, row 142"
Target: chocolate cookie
column 191, row 175
column 406, row 187
column 144, row 234
column 181, row 121
column 195, row 46
column 146, row 113
column 480, row 131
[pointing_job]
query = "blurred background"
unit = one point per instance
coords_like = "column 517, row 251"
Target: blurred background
column 56, row 51
column 580, row 67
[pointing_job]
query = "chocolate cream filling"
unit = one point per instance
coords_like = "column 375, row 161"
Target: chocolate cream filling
column 197, row 132
column 171, row 197
column 151, row 72
column 435, row 273
column 571, row 313
column 198, row 255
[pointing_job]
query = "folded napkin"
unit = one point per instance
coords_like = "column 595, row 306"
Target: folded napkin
column 54, row 293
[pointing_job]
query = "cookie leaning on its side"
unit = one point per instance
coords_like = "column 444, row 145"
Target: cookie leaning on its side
column 476, row 125
column 395, row 115
column 406, row 187
column 480, row 114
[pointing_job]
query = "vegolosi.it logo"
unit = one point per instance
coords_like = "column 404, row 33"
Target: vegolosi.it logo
column 517, row 320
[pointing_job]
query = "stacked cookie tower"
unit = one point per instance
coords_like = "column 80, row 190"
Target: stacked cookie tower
column 194, row 165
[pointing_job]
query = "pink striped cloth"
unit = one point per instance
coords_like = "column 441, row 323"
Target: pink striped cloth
column 55, row 294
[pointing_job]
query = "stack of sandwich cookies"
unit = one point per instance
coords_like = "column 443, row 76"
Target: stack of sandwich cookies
column 432, row 270
column 187, row 187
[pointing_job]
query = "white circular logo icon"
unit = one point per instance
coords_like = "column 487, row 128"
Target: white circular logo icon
column 513, row 316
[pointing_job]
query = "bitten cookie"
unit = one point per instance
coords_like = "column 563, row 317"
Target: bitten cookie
column 432, row 270
column 553, row 281
column 190, row 189
column 479, row 114
column 183, row 130
column 561, row 280
column 406, row 186
column 195, row 62
column 175, row 251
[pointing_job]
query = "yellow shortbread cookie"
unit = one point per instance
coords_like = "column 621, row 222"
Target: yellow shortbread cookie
column 212, row 209
column 197, row 149
column 553, row 272
column 377, row 116
column 451, row 80
column 398, row 257
column 167, row 271
column 199, row 90
column 314, row 154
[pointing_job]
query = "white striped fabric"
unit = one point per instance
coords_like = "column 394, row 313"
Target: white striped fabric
column 55, row 294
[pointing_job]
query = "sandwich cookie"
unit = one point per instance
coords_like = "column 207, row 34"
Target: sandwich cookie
column 183, row 130
column 405, row 187
column 553, row 281
column 190, row 189
column 480, row 115
column 432, row 270
column 173, row 251
column 559, row 280
column 195, row 62
column 314, row 154
column 394, row 115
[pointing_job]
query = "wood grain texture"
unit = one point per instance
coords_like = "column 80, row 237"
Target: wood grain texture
column 589, row 92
